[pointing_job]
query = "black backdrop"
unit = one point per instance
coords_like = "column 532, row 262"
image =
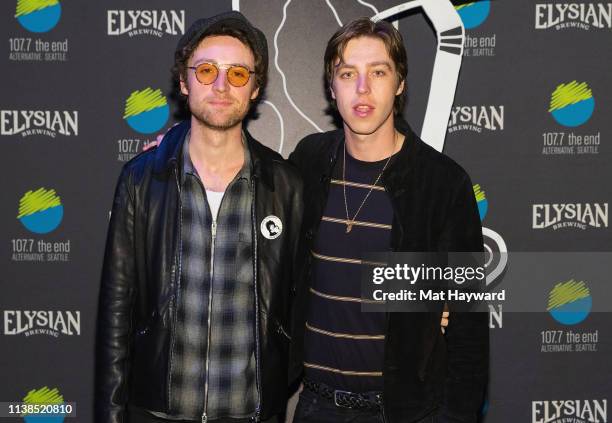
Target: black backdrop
column 69, row 68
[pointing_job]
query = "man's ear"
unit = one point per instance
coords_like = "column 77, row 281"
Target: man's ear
column 184, row 88
column 331, row 92
column 400, row 88
column 255, row 93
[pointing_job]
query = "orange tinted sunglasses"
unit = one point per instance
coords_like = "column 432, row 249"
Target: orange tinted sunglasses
column 207, row 73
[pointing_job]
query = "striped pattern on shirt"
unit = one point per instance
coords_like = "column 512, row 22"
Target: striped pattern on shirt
column 344, row 347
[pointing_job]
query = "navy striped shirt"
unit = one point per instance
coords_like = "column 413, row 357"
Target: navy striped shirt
column 344, row 347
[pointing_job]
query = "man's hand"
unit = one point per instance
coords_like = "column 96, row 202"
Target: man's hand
column 155, row 143
column 444, row 321
column 158, row 140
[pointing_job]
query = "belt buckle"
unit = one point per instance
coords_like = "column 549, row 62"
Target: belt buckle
column 378, row 400
column 336, row 392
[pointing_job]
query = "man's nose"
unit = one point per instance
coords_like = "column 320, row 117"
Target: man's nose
column 220, row 83
column 363, row 84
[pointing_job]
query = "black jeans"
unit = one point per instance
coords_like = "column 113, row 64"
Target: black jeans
column 315, row 409
column 311, row 408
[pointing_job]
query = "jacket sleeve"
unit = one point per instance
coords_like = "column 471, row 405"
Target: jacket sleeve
column 467, row 335
column 298, row 251
column 114, row 322
column 296, row 160
column 299, row 155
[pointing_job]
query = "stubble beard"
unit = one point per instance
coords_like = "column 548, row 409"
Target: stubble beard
column 209, row 118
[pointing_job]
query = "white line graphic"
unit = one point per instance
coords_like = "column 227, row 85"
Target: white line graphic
column 282, row 74
column 375, row 10
column 282, row 124
column 333, row 9
column 395, row 23
column 503, row 258
column 236, row 6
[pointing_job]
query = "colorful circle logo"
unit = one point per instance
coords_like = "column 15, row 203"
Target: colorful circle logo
column 572, row 104
column 481, row 201
column 40, row 211
column 474, row 13
column 146, row 111
column 570, row 302
column 38, row 15
column 44, row 396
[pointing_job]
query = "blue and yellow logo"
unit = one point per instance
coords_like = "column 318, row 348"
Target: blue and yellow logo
column 47, row 397
column 572, row 104
column 481, row 201
column 40, row 211
column 474, row 13
column 38, row 15
column 146, row 111
column 570, row 302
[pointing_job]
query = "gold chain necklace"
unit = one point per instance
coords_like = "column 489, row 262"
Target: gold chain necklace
column 350, row 222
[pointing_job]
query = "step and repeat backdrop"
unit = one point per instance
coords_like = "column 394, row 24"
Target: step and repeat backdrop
column 530, row 121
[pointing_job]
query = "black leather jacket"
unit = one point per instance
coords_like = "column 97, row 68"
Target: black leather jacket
column 424, row 371
column 140, row 279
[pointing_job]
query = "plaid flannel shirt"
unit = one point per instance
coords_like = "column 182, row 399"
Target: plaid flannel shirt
column 231, row 371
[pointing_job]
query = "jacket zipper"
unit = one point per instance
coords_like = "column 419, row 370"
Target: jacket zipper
column 210, row 295
column 256, row 418
column 177, row 274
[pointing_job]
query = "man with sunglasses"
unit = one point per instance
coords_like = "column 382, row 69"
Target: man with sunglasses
column 194, row 301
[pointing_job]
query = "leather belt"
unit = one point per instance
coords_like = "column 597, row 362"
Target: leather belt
column 346, row 399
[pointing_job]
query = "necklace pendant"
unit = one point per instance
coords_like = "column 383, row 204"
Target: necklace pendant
column 349, row 226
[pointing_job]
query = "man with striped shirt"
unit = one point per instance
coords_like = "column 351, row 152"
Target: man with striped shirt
column 374, row 186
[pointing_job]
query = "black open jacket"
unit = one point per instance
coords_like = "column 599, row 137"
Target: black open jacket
column 141, row 279
column 434, row 210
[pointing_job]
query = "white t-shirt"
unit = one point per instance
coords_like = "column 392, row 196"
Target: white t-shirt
column 214, row 201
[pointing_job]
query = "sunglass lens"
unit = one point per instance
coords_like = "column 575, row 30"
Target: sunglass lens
column 206, row 73
column 238, row 76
